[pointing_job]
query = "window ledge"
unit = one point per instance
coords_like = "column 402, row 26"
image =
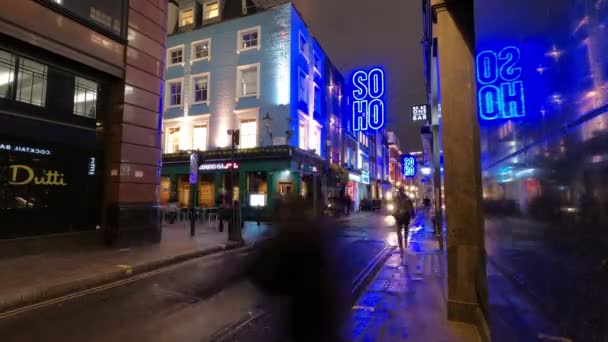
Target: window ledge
column 201, row 102
column 176, row 64
column 199, row 59
column 258, row 47
column 246, row 96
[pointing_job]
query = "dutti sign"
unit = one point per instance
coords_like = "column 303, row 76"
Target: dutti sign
column 369, row 107
column 25, row 175
column 500, row 88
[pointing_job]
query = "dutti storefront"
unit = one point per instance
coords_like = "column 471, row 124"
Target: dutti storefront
column 51, row 153
column 263, row 176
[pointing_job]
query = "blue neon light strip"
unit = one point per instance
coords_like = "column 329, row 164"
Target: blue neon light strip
column 369, row 107
column 501, row 92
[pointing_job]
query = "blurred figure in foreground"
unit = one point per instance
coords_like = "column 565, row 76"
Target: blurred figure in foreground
column 404, row 212
column 297, row 269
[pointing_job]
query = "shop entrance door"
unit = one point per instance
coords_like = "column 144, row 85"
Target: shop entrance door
column 285, row 188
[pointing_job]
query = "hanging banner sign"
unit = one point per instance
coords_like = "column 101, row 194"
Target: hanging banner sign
column 369, row 109
column 419, row 113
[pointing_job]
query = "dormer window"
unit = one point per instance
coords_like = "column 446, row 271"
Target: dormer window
column 211, row 10
column 186, row 17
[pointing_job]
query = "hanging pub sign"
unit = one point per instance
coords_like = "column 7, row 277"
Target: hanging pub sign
column 419, row 113
column 409, row 165
column 369, row 109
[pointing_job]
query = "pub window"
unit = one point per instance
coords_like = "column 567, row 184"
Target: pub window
column 211, row 10
column 199, row 137
column 7, row 73
column 200, row 84
column 174, row 93
column 172, row 140
column 85, row 97
column 31, row 82
column 249, row 131
column 200, row 50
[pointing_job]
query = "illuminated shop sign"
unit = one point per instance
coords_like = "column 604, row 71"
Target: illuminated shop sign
column 24, row 149
column 24, row 175
column 364, row 177
column 369, row 109
column 500, row 93
column 354, row 177
column 218, row 166
column 409, row 165
column 419, row 113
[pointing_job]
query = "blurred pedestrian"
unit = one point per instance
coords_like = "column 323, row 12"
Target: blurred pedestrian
column 404, row 212
column 297, row 267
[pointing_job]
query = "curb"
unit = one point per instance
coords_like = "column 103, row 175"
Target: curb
column 47, row 293
column 362, row 281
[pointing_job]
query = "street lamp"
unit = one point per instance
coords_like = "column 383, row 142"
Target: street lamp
column 267, row 123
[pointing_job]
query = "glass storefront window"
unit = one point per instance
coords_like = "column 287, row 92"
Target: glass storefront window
column 31, row 82
column 85, row 97
column 7, row 73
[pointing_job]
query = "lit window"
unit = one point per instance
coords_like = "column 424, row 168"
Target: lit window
column 174, row 93
column 212, row 10
column 303, row 133
column 31, row 82
column 199, row 137
column 316, row 62
column 200, row 85
column 248, row 133
column 304, row 47
column 175, row 55
column 303, row 87
column 248, row 80
column 85, row 97
column 172, row 140
column 186, row 17
column 201, row 50
column 315, row 143
column 7, row 73
column 249, row 39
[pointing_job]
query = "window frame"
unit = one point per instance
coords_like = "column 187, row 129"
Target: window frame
column 167, row 125
column 304, row 81
column 193, row 50
column 302, row 52
column 239, row 78
column 174, row 48
column 168, row 92
column 181, row 17
column 239, row 38
column 193, row 87
column 315, row 56
column 76, row 77
column 246, row 115
column 206, row 5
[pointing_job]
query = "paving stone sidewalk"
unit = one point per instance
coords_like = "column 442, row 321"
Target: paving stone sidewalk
column 34, row 278
column 409, row 303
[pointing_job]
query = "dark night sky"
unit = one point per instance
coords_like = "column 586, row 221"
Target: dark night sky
column 387, row 33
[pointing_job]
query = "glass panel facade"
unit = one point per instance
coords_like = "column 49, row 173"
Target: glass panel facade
column 7, row 73
column 543, row 112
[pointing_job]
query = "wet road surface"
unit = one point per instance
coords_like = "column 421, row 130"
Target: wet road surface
column 205, row 299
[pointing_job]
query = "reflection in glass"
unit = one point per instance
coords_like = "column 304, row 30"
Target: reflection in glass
column 7, row 73
column 85, row 97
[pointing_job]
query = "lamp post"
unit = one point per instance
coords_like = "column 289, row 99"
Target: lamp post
column 234, row 228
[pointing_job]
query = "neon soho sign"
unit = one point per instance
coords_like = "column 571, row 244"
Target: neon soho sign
column 501, row 90
column 368, row 104
column 409, row 165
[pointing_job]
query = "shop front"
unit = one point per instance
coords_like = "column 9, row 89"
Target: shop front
column 262, row 177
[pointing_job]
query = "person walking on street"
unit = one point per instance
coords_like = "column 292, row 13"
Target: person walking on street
column 348, row 203
column 404, row 212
